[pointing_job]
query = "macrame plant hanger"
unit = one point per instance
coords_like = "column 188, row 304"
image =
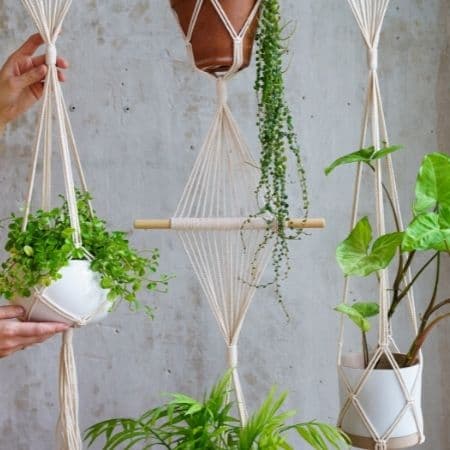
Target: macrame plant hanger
column 48, row 16
column 370, row 15
column 213, row 216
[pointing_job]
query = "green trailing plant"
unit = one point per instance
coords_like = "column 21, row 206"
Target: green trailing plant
column 37, row 254
column 185, row 423
column 279, row 143
column 428, row 233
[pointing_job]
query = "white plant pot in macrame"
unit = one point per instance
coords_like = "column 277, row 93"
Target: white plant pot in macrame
column 75, row 299
column 382, row 400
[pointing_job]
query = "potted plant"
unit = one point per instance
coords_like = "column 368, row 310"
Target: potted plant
column 428, row 233
column 73, row 283
column 212, row 44
column 185, row 423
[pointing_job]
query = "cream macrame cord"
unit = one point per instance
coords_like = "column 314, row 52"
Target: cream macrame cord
column 214, row 220
column 370, row 16
column 48, row 16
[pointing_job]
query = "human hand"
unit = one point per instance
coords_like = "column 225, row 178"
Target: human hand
column 15, row 335
column 21, row 80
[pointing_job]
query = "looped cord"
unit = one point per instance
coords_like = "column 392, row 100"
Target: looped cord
column 51, row 55
column 381, row 445
column 232, row 356
column 372, row 58
column 222, row 91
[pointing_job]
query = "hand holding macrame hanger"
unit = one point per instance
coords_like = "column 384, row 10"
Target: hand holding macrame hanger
column 48, row 16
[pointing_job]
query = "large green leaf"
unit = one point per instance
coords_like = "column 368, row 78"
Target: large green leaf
column 433, row 183
column 367, row 309
column 358, row 313
column 365, row 155
column 430, row 231
column 355, row 257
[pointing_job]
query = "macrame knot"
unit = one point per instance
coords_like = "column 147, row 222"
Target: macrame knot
column 222, row 94
column 51, row 55
column 381, row 445
column 232, row 356
column 82, row 323
column 372, row 58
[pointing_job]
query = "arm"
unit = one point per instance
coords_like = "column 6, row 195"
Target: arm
column 15, row 335
column 21, row 80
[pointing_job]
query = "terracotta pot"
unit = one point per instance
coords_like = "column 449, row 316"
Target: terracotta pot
column 211, row 42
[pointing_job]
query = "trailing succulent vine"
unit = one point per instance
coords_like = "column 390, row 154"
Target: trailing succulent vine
column 279, row 143
column 37, row 254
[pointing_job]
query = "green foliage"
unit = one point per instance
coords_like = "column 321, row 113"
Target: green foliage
column 355, row 256
column 359, row 313
column 278, row 141
column 37, row 255
column 365, row 155
column 429, row 230
column 433, row 184
column 187, row 424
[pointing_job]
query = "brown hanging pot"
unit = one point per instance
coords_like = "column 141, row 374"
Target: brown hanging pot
column 212, row 44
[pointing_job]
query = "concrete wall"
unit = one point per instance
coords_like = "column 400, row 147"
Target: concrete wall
column 140, row 113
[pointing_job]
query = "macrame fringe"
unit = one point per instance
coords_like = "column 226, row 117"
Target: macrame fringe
column 68, row 430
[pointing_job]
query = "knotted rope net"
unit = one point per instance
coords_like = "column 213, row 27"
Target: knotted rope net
column 370, row 15
column 212, row 218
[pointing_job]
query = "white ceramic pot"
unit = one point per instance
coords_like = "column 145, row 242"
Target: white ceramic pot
column 382, row 399
column 76, row 294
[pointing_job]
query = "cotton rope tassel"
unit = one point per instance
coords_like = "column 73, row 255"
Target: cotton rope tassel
column 48, row 16
column 370, row 16
column 68, row 430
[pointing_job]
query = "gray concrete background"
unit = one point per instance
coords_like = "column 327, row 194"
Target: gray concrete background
column 140, row 113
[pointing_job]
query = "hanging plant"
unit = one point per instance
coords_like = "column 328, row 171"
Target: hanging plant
column 428, row 232
column 186, row 423
column 279, row 143
column 424, row 243
column 40, row 255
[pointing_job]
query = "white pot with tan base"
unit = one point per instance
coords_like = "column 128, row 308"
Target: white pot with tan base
column 382, row 400
column 76, row 298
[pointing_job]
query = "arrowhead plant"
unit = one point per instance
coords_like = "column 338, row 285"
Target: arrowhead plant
column 428, row 232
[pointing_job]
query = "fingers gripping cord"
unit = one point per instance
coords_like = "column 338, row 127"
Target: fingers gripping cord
column 50, row 55
column 370, row 17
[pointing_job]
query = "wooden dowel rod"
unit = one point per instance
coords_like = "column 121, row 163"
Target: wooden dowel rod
column 166, row 224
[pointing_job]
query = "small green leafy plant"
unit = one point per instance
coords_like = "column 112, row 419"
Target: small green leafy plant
column 428, row 233
column 187, row 424
column 278, row 142
column 37, row 254
column 359, row 313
